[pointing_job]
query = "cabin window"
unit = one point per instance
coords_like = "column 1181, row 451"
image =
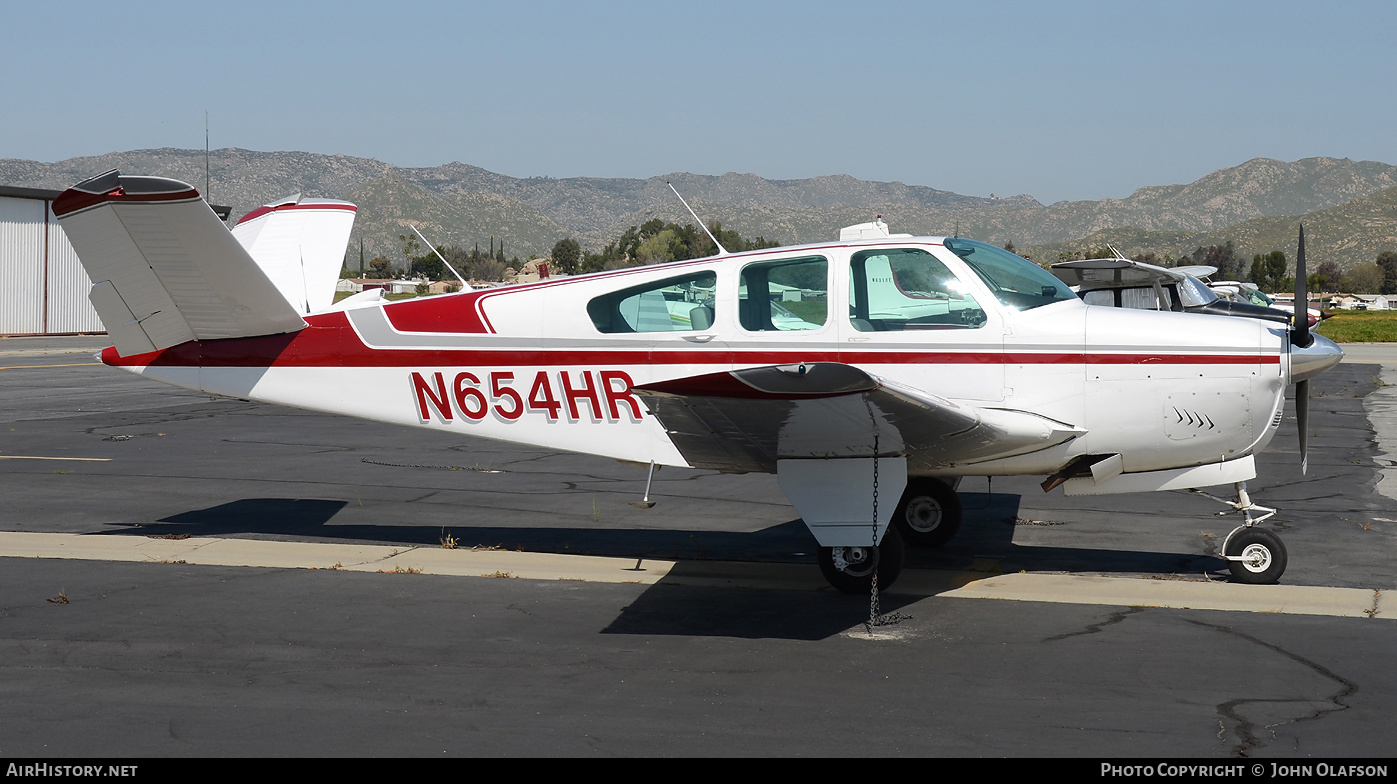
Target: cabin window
column 682, row 304
column 898, row 289
column 1146, row 298
column 1105, row 297
column 1135, row 297
column 785, row 295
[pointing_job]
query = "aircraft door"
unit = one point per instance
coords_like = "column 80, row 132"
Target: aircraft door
column 911, row 319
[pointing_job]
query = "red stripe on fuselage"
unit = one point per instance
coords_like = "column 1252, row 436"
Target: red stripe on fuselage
column 451, row 313
column 330, row 341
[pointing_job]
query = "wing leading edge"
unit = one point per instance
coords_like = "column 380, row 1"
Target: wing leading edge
column 746, row 420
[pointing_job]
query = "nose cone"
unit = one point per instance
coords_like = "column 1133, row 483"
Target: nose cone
column 1319, row 356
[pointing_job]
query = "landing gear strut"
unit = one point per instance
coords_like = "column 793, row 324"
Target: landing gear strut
column 1254, row 555
column 850, row 569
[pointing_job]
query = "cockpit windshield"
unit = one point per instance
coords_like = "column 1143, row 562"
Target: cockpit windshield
column 1194, row 293
column 1017, row 282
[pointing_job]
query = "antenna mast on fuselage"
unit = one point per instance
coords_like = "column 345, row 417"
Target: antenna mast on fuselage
column 721, row 250
column 464, row 284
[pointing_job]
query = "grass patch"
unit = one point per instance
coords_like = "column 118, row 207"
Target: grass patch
column 811, row 311
column 339, row 295
column 1360, row 326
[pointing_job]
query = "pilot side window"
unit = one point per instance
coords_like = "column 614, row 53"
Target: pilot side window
column 785, row 295
column 897, row 289
column 681, row 304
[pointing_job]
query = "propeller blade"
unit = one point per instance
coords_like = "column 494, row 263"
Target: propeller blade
column 1300, row 334
column 1302, row 421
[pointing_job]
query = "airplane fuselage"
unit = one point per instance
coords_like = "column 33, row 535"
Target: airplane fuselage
column 556, row 364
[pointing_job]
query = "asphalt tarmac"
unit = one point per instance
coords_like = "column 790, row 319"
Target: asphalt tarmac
column 720, row 640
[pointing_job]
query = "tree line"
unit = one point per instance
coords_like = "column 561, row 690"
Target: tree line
column 473, row 264
column 652, row 242
column 1269, row 272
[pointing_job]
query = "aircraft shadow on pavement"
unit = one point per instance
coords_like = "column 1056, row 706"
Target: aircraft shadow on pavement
column 984, row 544
column 688, row 611
column 985, row 541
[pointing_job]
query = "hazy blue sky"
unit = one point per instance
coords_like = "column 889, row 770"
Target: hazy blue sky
column 1060, row 100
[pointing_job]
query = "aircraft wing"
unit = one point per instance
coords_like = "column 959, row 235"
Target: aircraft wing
column 745, row 420
column 1114, row 273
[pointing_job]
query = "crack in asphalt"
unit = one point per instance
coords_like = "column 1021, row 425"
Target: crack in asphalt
column 320, row 448
column 1248, row 741
column 167, row 417
column 1095, row 628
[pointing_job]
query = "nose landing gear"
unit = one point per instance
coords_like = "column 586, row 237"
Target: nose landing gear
column 1254, row 555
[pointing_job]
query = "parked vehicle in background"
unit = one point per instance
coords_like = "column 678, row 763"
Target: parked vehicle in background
column 1126, row 283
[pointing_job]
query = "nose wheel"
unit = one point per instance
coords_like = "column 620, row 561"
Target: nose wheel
column 851, row 569
column 1255, row 556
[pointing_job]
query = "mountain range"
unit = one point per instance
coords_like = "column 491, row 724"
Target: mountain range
column 1349, row 207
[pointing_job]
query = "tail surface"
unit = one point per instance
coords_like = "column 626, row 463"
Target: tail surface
column 299, row 243
column 165, row 270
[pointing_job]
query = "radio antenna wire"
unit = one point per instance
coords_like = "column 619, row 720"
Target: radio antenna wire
column 721, row 250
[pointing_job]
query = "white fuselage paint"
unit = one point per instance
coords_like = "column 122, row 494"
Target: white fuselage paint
column 1164, row 390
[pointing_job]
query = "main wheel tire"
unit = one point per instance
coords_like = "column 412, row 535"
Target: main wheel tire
column 929, row 513
column 1263, row 555
column 857, row 576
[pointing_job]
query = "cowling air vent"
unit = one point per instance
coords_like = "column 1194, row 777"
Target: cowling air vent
column 1191, row 415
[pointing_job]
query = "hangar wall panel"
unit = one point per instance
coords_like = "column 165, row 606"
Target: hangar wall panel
column 69, row 309
column 21, row 266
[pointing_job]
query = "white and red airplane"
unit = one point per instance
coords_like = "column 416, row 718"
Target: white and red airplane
column 869, row 374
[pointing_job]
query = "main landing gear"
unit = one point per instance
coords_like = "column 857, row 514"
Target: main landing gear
column 1254, row 555
column 851, row 569
column 929, row 513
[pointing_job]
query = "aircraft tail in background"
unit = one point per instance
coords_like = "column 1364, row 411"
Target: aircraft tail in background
column 299, row 243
